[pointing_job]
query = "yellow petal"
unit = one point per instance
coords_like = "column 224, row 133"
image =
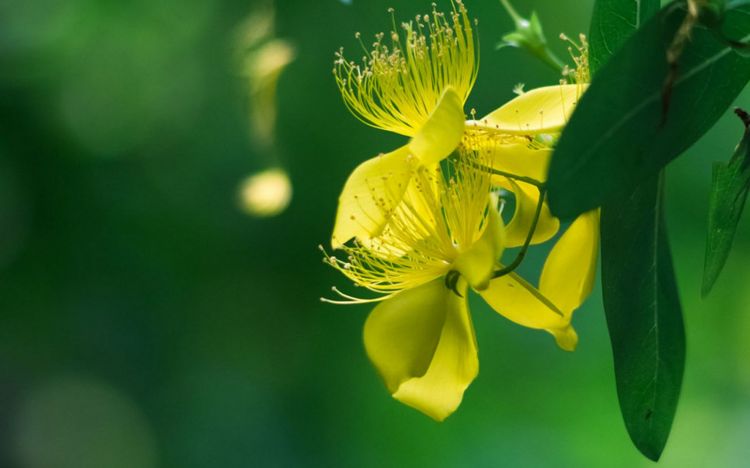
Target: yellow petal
column 519, row 159
column 567, row 279
column 527, row 199
column 515, row 299
column 541, row 110
column 370, row 194
column 442, row 132
column 565, row 337
column 569, row 271
column 422, row 194
column 454, row 364
column 477, row 264
column 401, row 333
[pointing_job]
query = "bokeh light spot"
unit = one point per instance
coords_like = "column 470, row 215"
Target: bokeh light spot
column 77, row 423
column 266, row 193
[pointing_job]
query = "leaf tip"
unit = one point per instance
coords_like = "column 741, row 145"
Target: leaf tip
column 650, row 452
column 649, row 440
column 651, row 449
column 707, row 285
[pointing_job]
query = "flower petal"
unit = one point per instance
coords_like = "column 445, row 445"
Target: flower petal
column 477, row 264
column 442, row 132
column 527, row 198
column 370, row 194
column 454, row 365
column 565, row 337
column 515, row 299
column 569, row 271
column 541, row 110
column 520, row 159
column 402, row 333
column 567, row 279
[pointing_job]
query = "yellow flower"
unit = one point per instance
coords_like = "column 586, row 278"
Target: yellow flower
column 414, row 82
column 443, row 238
column 524, row 131
column 416, row 85
column 425, row 232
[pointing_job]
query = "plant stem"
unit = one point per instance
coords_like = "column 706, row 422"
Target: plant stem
column 512, row 11
column 528, row 180
column 522, row 253
column 551, row 60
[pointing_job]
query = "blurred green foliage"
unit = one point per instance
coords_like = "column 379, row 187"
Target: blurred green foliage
column 144, row 315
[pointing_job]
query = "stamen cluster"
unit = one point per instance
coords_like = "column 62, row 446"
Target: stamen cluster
column 443, row 214
column 402, row 76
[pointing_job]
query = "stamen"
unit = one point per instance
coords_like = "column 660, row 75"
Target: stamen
column 396, row 88
column 443, row 213
column 579, row 52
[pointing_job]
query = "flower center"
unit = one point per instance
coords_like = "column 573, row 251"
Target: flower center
column 442, row 215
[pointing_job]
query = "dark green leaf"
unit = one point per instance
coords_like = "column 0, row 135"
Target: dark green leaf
column 619, row 136
column 643, row 315
column 632, row 288
column 612, row 23
column 729, row 189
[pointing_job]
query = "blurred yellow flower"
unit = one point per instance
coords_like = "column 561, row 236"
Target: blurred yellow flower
column 263, row 67
column 263, row 58
column 266, row 193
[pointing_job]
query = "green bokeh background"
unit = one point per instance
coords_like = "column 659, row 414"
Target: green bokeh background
column 146, row 321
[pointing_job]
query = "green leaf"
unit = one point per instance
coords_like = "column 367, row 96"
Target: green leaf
column 729, row 189
column 633, row 287
column 619, row 134
column 612, row 23
column 643, row 315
